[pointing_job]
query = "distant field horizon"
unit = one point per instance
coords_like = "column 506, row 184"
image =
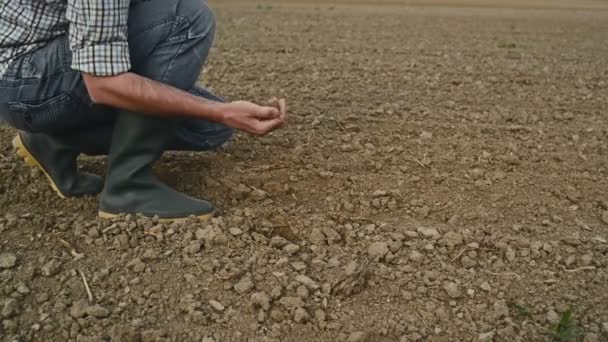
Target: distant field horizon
column 558, row 4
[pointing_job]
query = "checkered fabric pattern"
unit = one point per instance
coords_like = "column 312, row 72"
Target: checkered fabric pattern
column 97, row 32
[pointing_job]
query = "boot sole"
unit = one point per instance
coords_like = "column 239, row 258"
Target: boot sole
column 202, row 218
column 31, row 161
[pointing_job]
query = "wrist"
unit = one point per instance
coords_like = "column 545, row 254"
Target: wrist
column 222, row 112
column 213, row 111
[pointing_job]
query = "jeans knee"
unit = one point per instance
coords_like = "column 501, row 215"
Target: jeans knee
column 200, row 135
column 222, row 138
column 201, row 18
column 205, row 93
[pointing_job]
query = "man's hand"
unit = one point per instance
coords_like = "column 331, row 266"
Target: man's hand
column 255, row 119
column 135, row 93
column 281, row 105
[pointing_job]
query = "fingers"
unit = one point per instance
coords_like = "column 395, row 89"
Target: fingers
column 260, row 120
column 265, row 127
column 280, row 105
column 283, row 109
column 274, row 102
column 265, row 113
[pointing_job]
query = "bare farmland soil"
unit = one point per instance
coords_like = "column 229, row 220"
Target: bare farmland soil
column 443, row 178
column 549, row 4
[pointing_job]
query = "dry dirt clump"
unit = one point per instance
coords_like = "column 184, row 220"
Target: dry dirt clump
column 443, row 178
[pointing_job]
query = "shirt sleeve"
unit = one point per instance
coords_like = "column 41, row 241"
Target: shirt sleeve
column 98, row 36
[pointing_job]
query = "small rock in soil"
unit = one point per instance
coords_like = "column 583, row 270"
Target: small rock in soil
column 153, row 336
column 260, row 300
column 452, row 290
column 331, row 235
column 51, row 268
column 591, row 337
column 552, row 317
column 501, row 309
column 276, row 292
column 302, row 292
column 216, row 305
column 357, row 336
column 123, row 333
column 486, row 286
column 416, row 257
column 301, row 316
column 453, row 239
column 97, row 311
column 351, row 268
column 7, row 260
column 605, row 217
column 395, row 246
column 316, row 236
column 235, row 231
column 277, row 315
column 79, row 309
column 304, row 280
column 292, row 302
column 244, row 285
column 82, row 308
column 298, row 265
column 258, row 195
column 587, row 259
column 23, row 289
column 121, row 242
column 291, row 249
column 278, row 241
column 9, row 326
column 320, row 315
column 486, row 337
column 10, row 308
column 194, row 247
column 377, row 250
column 261, row 317
column 431, row 233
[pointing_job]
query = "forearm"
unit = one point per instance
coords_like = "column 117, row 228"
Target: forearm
column 135, row 93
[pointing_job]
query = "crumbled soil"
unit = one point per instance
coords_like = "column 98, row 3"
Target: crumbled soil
column 443, row 178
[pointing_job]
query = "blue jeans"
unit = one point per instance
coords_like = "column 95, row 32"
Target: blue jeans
column 40, row 92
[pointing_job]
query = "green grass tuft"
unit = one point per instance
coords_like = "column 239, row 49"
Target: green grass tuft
column 505, row 45
column 522, row 310
column 566, row 329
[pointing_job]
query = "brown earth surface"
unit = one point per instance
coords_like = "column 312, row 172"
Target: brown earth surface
column 443, row 178
column 550, row 4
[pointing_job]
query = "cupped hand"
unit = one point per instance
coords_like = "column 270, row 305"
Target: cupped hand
column 281, row 105
column 253, row 118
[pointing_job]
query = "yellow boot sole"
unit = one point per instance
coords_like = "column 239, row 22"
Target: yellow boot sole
column 201, row 218
column 31, row 161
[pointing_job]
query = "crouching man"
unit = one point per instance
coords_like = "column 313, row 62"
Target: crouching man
column 116, row 77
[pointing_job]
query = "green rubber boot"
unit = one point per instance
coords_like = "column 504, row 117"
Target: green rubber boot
column 131, row 186
column 57, row 161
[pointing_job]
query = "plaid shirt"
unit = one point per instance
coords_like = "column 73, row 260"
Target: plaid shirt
column 97, row 32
